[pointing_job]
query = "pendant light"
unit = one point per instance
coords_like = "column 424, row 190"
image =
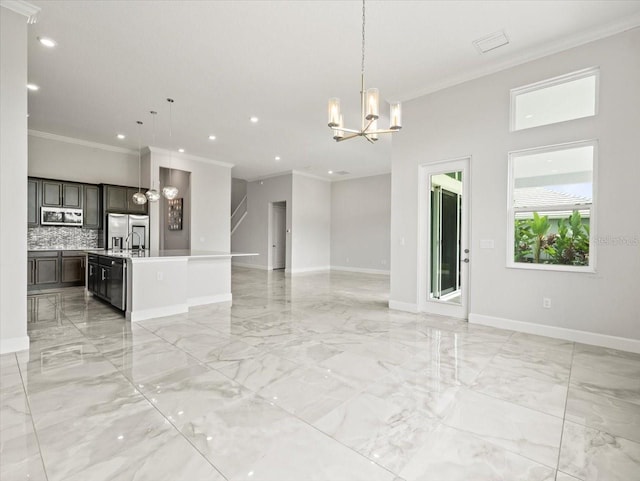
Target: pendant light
column 152, row 194
column 170, row 192
column 369, row 110
column 139, row 198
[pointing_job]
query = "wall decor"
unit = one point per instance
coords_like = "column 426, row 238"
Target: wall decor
column 175, row 214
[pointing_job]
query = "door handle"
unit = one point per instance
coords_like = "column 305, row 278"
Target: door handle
column 465, row 260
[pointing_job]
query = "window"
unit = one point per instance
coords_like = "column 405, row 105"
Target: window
column 551, row 207
column 568, row 97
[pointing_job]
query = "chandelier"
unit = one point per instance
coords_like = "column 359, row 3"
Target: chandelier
column 369, row 107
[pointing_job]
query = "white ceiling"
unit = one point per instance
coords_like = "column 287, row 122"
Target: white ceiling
column 225, row 61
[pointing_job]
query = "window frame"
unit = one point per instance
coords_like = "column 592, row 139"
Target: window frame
column 511, row 210
column 552, row 82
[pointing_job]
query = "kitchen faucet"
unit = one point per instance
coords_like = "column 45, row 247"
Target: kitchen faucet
column 126, row 241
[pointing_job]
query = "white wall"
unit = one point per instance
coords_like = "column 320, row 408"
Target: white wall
column 472, row 119
column 311, row 224
column 361, row 224
column 56, row 157
column 210, row 184
column 253, row 233
column 13, row 182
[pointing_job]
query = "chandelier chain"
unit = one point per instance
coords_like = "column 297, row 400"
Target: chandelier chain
column 362, row 70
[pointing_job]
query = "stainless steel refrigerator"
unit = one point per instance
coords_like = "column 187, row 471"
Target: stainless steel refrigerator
column 127, row 231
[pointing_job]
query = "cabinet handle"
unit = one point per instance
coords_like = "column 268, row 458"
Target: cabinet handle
column 90, row 270
column 103, row 274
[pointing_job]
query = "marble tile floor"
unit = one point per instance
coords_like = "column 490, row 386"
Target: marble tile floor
column 308, row 378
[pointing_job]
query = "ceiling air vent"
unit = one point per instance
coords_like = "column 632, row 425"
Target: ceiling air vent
column 342, row 172
column 491, row 42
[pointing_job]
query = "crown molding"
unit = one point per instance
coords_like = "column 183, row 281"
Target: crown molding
column 582, row 38
column 84, row 143
column 178, row 155
column 311, row 176
column 23, row 8
column 269, row 176
column 356, row 177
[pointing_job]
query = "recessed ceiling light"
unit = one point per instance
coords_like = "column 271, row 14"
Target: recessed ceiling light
column 181, row 151
column 33, row 87
column 330, row 172
column 277, row 157
column 212, row 137
column 530, row 116
column 254, row 119
column 121, row 136
column 47, row 42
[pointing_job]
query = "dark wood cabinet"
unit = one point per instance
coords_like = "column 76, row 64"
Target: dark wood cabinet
column 72, row 269
column 51, row 193
column 61, row 194
column 72, row 195
column 31, row 272
column 115, row 199
column 92, row 217
column 33, row 204
column 46, row 270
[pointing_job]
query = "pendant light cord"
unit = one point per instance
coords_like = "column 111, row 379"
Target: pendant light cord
column 139, row 150
column 171, row 141
column 362, row 69
column 153, row 137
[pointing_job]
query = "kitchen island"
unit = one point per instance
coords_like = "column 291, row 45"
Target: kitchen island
column 160, row 283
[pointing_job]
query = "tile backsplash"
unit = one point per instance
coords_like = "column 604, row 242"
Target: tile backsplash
column 51, row 237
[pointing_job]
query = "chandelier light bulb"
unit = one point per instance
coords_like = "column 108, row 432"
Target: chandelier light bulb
column 372, row 104
column 395, row 116
column 334, row 112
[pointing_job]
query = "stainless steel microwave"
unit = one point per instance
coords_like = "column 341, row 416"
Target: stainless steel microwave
column 61, row 216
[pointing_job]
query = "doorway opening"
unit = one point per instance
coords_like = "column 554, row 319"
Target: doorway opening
column 444, row 244
column 278, row 236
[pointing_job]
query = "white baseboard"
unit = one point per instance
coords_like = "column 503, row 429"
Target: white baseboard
column 305, row 270
column 361, row 270
column 201, row 301
column 250, row 266
column 14, row 344
column 144, row 314
column 584, row 337
column 403, row 306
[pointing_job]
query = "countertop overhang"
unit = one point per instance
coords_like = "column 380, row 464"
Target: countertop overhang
column 135, row 256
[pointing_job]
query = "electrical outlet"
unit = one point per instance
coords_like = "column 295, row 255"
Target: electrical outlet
column 347, row 260
column 159, row 275
column 546, row 302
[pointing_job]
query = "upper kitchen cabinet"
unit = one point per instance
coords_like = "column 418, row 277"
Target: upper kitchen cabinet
column 33, row 206
column 61, row 194
column 92, row 215
column 119, row 199
column 115, row 198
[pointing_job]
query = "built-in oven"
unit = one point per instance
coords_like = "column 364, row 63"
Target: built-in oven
column 60, row 216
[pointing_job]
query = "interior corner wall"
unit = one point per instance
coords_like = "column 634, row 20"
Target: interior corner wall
column 361, row 224
column 13, row 182
column 311, row 224
column 472, row 119
column 56, row 159
column 210, row 186
column 252, row 235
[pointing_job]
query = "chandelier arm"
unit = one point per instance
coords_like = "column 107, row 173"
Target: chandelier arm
column 367, row 137
column 368, row 125
column 352, row 136
column 386, row 131
column 351, row 131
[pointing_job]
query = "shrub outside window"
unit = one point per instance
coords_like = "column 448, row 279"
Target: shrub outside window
column 551, row 207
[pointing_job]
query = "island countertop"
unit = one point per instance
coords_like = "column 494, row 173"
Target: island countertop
column 136, row 256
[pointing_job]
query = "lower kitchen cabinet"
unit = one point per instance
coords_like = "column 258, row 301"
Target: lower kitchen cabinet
column 72, row 269
column 53, row 269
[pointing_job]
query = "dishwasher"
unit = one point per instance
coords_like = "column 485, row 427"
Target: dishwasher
column 118, row 283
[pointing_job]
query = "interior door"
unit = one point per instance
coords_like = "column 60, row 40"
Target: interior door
column 445, row 253
column 279, row 235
